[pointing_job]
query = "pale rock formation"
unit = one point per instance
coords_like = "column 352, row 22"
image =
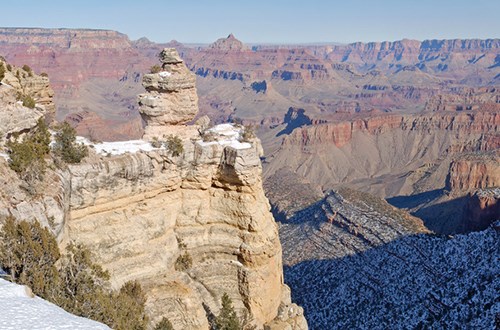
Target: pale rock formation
column 171, row 97
column 26, row 83
column 140, row 212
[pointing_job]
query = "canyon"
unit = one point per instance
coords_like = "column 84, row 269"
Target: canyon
column 340, row 127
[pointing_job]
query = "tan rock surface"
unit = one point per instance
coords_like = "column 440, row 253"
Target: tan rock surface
column 171, row 94
column 140, row 212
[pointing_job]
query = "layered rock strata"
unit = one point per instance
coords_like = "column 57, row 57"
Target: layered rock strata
column 189, row 226
column 140, row 212
column 474, row 171
column 171, row 97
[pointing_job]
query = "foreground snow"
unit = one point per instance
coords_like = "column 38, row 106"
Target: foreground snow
column 18, row 311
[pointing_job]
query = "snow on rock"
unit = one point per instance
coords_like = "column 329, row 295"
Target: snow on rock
column 228, row 135
column 164, row 74
column 18, row 311
column 5, row 156
column 118, row 147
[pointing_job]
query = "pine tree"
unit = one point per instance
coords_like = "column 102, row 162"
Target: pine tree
column 164, row 324
column 66, row 146
column 227, row 318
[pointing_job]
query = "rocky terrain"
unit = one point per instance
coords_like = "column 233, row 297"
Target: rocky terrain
column 416, row 281
column 189, row 225
column 354, row 261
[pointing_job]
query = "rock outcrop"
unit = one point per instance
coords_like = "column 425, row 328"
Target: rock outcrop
column 189, row 226
column 482, row 209
column 474, row 171
column 17, row 83
column 171, row 97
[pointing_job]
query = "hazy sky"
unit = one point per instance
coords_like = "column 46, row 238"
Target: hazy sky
column 272, row 21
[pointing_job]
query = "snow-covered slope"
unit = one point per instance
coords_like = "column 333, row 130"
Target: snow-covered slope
column 415, row 282
column 19, row 311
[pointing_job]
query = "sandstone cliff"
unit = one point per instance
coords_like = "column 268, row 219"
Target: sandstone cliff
column 188, row 227
column 470, row 172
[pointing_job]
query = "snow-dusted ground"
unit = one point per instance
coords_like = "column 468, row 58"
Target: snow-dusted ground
column 230, row 134
column 18, row 311
column 118, row 147
column 416, row 282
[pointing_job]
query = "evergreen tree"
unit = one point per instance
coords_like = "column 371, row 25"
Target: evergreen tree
column 66, row 146
column 227, row 318
column 164, row 324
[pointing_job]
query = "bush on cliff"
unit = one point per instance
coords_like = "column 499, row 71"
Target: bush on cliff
column 29, row 253
column 164, row 324
column 248, row 134
column 27, row 156
column 2, row 71
column 174, row 145
column 28, row 101
column 227, row 318
column 66, row 147
column 155, row 68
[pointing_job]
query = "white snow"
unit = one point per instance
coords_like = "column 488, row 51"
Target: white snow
column 18, row 311
column 118, row 147
column 4, row 156
column 164, row 74
column 230, row 137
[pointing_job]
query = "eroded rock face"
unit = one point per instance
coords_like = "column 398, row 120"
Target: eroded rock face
column 474, row 171
column 140, row 212
column 171, row 97
column 482, row 209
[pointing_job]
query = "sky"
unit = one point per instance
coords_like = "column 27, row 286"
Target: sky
column 265, row 21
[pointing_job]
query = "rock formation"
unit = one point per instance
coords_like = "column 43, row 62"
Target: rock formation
column 474, row 171
column 14, row 117
column 189, row 226
column 482, row 209
column 171, row 97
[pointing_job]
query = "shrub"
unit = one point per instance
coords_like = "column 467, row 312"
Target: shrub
column 29, row 253
column 66, row 147
column 130, row 302
column 155, row 68
column 183, row 262
column 9, row 67
column 155, row 143
column 28, row 101
column 248, row 134
column 44, row 74
column 174, row 145
column 2, row 71
column 227, row 318
column 27, row 156
column 164, row 324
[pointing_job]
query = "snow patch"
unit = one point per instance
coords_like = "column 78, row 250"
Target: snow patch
column 20, row 311
column 165, row 74
column 5, row 156
column 118, row 147
column 229, row 135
